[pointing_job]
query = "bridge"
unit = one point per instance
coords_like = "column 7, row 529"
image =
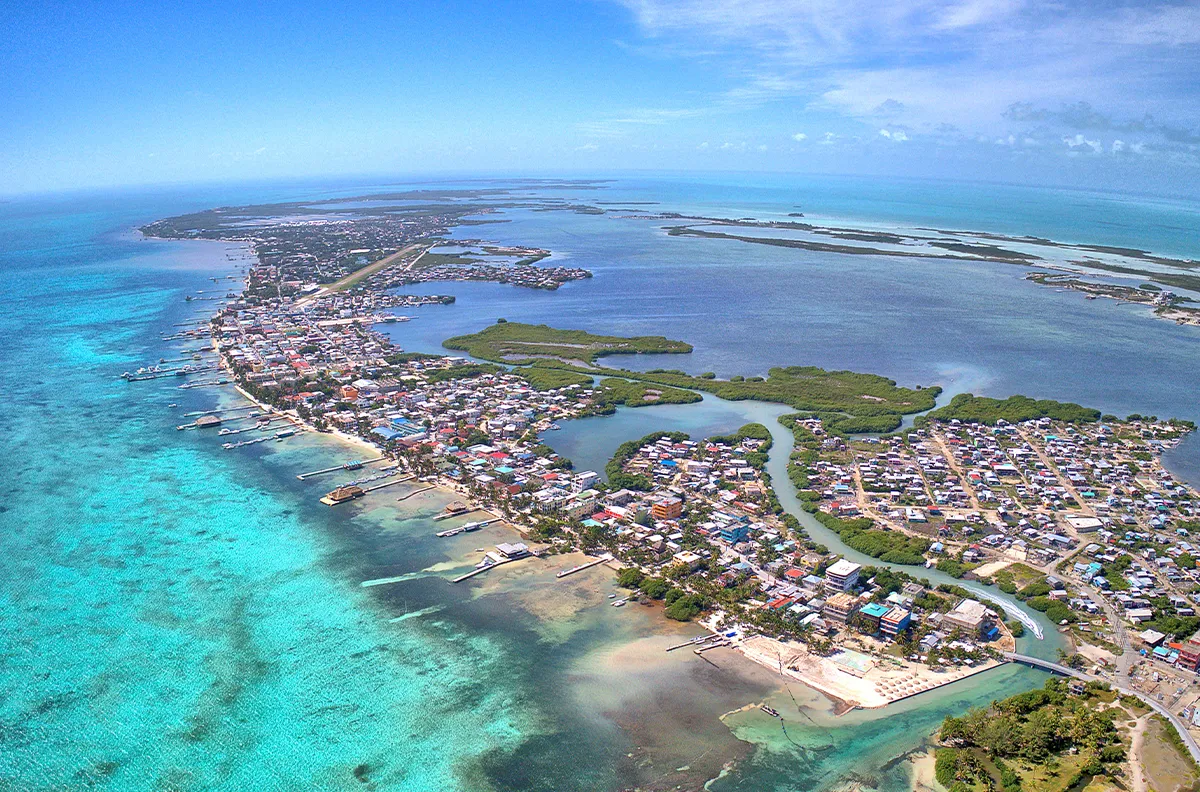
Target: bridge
column 1062, row 670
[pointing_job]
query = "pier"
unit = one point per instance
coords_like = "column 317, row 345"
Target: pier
column 446, row 515
column 408, row 495
column 699, row 641
column 220, row 412
column 482, row 569
column 581, row 567
column 354, row 492
column 468, row 528
column 354, row 465
column 205, row 384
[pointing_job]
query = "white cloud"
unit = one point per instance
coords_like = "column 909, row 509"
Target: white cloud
column 1118, row 146
column 931, row 62
column 799, row 137
column 897, row 135
column 1079, row 142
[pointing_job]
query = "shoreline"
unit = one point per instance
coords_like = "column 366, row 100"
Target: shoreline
column 844, row 690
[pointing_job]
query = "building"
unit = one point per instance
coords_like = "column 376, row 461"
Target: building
column 666, row 509
column 895, row 621
column 872, row 613
column 971, row 616
column 733, row 534
column 512, row 550
column 842, row 576
column 840, row 607
column 585, row 480
column 1189, row 654
column 688, row 558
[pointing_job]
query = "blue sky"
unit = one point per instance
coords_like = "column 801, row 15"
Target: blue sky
column 1098, row 93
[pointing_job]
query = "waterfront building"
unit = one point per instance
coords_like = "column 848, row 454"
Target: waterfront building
column 895, row 621
column 971, row 616
column 840, row 607
column 842, row 575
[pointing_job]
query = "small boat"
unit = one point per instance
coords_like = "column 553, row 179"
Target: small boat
column 774, row 713
column 555, row 426
column 172, row 406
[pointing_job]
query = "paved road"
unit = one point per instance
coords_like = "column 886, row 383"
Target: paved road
column 1058, row 668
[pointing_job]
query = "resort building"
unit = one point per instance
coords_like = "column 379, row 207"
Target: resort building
column 840, row 607
column 842, row 576
column 895, row 621
column 970, row 615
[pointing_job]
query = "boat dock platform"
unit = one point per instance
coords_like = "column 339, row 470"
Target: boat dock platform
column 700, row 641
column 472, row 526
column 408, row 495
column 482, row 569
column 329, row 501
column 354, row 465
column 582, row 567
column 446, row 515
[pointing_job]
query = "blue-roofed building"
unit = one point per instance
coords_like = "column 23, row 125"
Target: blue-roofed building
column 873, row 612
column 386, row 433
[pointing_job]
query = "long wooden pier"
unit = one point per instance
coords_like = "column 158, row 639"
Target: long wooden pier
column 355, row 465
column 482, row 569
column 581, row 567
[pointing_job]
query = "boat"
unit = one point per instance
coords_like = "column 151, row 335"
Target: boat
column 554, row 426
column 774, row 713
column 619, row 603
column 172, row 406
column 284, row 433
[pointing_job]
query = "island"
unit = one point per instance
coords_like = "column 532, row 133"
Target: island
column 1065, row 509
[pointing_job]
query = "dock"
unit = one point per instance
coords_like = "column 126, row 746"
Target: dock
column 353, row 465
column 581, row 567
column 473, row 526
column 330, row 501
column 219, row 412
column 446, row 515
column 482, row 569
column 699, row 641
column 408, row 495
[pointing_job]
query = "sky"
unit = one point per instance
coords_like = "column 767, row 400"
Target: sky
column 1094, row 94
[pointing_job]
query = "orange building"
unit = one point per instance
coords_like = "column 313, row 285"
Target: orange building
column 666, row 509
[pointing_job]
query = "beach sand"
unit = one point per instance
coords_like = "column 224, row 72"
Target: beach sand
column 886, row 682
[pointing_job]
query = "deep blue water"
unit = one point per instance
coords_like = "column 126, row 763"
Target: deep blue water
column 181, row 617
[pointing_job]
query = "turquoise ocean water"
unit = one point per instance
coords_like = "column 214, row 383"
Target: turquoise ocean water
column 179, row 617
